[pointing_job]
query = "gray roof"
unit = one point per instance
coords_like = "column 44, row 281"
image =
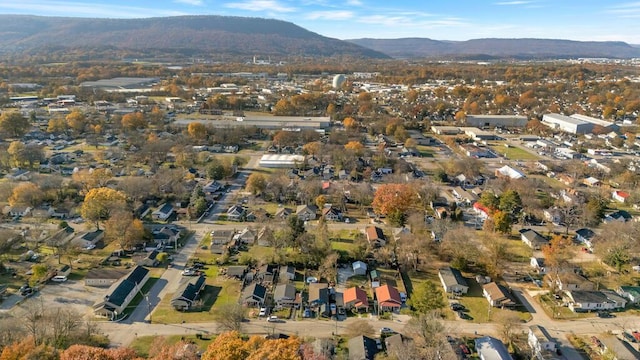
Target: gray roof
column 621, row 349
column 362, row 348
column 490, row 348
column 453, row 277
column 284, row 291
column 124, row 288
column 189, row 290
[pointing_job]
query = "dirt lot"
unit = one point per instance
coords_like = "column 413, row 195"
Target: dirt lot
column 71, row 294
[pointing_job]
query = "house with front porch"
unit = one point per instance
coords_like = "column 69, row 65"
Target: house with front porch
column 388, row 298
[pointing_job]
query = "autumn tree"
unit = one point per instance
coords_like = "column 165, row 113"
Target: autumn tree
column 355, row 146
column 28, row 349
column 349, row 123
column 557, row 253
column 197, row 131
column 76, row 121
column 78, row 352
column 502, row 222
column 57, row 125
column 428, row 333
column 92, row 178
column 313, row 148
column 391, row 198
column 256, row 183
column 13, row 124
column 26, row 193
column 426, row 296
column 134, row 121
column 122, row 227
column 100, row 202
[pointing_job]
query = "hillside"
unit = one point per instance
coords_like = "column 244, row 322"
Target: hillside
column 186, row 34
column 499, row 48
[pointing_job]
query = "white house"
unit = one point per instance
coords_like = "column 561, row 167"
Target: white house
column 540, row 342
column 163, row 213
column 453, row 281
column 537, row 264
column 631, row 293
column 620, row 196
column 583, row 301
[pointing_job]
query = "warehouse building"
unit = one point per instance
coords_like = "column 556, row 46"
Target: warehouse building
column 605, row 124
column 281, row 161
column 567, row 124
column 491, row 121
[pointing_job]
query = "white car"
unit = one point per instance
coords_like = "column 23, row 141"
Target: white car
column 273, row 318
column 59, row 278
column 90, row 247
column 263, row 311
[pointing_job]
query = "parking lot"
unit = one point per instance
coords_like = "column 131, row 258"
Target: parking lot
column 71, row 294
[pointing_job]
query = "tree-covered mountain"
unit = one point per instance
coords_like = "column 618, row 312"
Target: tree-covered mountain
column 499, row 48
column 186, row 34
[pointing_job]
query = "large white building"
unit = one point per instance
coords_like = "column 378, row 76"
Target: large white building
column 281, row 161
column 567, row 124
column 483, row 121
column 605, row 124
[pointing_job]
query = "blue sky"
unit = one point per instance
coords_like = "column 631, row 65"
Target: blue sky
column 596, row 20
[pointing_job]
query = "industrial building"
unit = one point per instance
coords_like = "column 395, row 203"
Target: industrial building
column 567, row 124
column 491, row 121
column 122, row 84
column 281, row 161
column 605, row 124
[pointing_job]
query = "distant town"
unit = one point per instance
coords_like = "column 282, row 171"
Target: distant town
column 283, row 210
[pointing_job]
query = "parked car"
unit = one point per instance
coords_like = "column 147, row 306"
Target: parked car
column 307, row 313
column 263, row 312
column 59, row 278
column 273, row 318
column 189, row 272
column 386, row 330
column 456, row 306
column 465, row 349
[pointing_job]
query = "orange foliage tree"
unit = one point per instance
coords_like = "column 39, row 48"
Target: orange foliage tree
column 231, row 346
column 390, row 198
column 349, row 123
column 134, row 121
column 84, row 352
column 197, row 131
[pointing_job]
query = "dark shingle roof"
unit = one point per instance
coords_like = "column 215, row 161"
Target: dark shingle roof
column 190, row 289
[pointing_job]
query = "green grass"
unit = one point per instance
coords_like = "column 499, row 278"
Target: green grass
column 138, row 298
column 142, row 344
column 425, row 151
column 479, row 309
column 518, row 251
column 342, row 246
column 514, row 153
column 561, row 312
column 262, row 253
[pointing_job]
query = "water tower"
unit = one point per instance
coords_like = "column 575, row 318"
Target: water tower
column 338, row 80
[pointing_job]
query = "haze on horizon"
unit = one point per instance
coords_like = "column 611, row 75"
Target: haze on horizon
column 584, row 20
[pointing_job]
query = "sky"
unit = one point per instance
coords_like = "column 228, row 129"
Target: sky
column 586, row 20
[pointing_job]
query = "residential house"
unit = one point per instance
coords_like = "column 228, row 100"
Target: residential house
column 592, row 182
column 287, row 272
column 482, row 211
column 151, row 259
column 631, row 293
column 318, row 294
column 236, row 213
column 585, row 237
column 618, row 349
column 362, row 348
column 237, row 272
column 254, row 295
column 453, row 281
column 221, row 241
column 306, row 212
column 620, row 196
column 17, row 210
column 187, row 293
column 283, row 213
column 569, row 280
column 441, row 212
column 267, row 274
column 399, row 233
column 284, row 295
column 212, row 187
column 388, row 298
column 533, row 239
column 91, row 237
column 356, row 299
column 331, row 213
column 163, row 213
column 490, row 348
column 121, row 293
column 375, row 236
column 617, row 216
column 553, row 215
column 541, row 344
column 166, row 235
column 63, row 270
column 537, row 263
column 583, row 301
column 359, row 268
column 497, row 295
column 245, row 236
column 19, row 175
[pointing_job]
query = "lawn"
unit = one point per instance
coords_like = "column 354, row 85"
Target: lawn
column 479, row 309
column 518, row 251
column 218, row 291
column 557, row 311
column 342, row 246
column 142, row 345
column 138, row 298
column 513, row 152
column 425, row 151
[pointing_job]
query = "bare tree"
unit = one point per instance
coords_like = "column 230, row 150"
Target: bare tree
column 230, row 317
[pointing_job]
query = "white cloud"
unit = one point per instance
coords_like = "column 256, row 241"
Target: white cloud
column 84, row 9
column 190, row 2
column 406, row 21
column 627, row 10
column 330, row 15
column 513, row 3
column 260, row 5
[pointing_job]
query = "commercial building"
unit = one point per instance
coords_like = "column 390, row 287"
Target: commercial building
column 491, row 121
column 605, row 124
column 292, row 123
column 567, row 123
column 281, row 161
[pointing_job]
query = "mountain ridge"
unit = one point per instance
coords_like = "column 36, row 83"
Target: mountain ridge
column 527, row 48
